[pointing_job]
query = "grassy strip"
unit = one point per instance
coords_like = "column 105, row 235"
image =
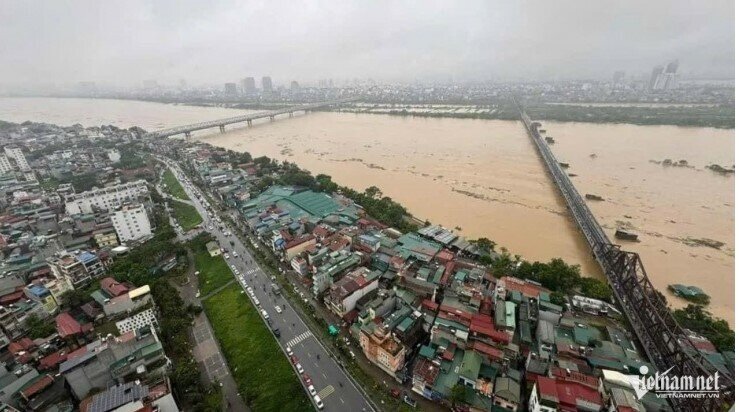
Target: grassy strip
column 173, row 186
column 265, row 378
column 187, row 216
column 214, row 271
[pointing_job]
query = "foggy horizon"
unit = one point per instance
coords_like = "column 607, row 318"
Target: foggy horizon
column 50, row 43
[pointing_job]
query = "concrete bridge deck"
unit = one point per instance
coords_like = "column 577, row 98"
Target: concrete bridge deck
column 248, row 118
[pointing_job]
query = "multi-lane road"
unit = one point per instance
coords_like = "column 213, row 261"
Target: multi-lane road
column 336, row 391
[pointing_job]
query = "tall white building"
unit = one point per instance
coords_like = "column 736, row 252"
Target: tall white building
column 5, row 166
column 16, row 154
column 107, row 198
column 131, row 223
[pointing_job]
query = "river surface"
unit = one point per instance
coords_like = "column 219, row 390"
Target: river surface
column 484, row 177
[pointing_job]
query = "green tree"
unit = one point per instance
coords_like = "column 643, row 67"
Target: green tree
column 457, row 394
column 595, row 288
column 38, row 328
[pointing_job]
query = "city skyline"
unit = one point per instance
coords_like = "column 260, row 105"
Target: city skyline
column 321, row 40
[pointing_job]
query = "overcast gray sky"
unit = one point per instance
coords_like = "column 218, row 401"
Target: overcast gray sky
column 216, row 41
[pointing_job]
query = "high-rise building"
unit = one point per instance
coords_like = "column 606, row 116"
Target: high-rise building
column 131, row 223
column 106, row 198
column 294, row 86
column 5, row 166
column 248, row 85
column 267, row 84
column 664, row 78
column 230, row 89
column 16, row 154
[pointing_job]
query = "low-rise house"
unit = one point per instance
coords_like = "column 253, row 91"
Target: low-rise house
column 344, row 293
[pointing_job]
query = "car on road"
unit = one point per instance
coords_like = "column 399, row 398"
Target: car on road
column 264, row 312
column 319, row 403
column 236, row 272
column 308, row 381
column 288, row 351
column 226, row 255
column 233, row 267
column 278, row 309
column 235, row 254
column 197, row 295
column 256, row 302
column 210, row 227
column 294, row 359
column 312, row 390
column 276, row 331
column 299, row 367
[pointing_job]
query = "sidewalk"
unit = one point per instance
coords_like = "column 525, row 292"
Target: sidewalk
column 206, row 350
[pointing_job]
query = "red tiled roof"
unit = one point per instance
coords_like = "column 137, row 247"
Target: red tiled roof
column 37, row 387
column 12, row 297
column 24, row 344
column 299, row 241
column 488, row 350
column 703, row 344
column 51, row 361
column 429, row 304
column 489, row 331
column 561, row 374
column 527, row 289
column 547, row 388
column 113, row 287
column 569, row 393
column 66, row 325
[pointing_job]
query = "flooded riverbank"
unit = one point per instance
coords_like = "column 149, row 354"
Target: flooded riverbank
column 484, row 177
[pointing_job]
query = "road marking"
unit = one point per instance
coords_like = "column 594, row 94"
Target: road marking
column 294, row 341
column 328, row 390
column 342, row 401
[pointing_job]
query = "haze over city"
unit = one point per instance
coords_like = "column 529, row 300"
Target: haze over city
column 125, row 43
column 385, row 206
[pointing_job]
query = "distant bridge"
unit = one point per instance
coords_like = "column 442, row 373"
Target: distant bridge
column 248, row 118
column 663, row 339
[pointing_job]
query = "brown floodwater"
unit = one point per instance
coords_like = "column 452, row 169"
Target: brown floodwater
column 484, row 178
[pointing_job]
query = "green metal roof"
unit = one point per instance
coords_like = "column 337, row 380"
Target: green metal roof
column 470, row 367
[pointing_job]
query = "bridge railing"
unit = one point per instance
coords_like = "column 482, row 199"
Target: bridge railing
column 663, row 339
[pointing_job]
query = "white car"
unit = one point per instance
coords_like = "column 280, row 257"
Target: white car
column 299, row 367
column 317, row 400
column 235, row 254
column 256, row 302
column 278, row 309
column 250, row 290
column 236, row 272
column 312, row 390
column 266, row 316
column 226, row 255
column 288, row 351
column 233, row 267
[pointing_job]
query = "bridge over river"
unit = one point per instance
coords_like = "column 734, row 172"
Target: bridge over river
column 664, row 341
column 248, row 118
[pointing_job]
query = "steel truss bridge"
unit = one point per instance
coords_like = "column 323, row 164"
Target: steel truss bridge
column 221, row 123
column 662, row 338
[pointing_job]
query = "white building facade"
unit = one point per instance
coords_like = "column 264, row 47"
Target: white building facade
column 131, row 223
column 106, row 198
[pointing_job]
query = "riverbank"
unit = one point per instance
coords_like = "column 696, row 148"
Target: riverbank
column 484, row 176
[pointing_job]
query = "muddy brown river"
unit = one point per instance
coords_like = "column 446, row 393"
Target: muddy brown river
column 485, row 178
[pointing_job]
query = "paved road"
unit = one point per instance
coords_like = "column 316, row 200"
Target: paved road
column 335, row 389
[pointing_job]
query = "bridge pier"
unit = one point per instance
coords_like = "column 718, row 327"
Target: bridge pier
column 222, row 128
column 290, row 114
column 271, row 118
column 248, row 122
column 187, row 135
